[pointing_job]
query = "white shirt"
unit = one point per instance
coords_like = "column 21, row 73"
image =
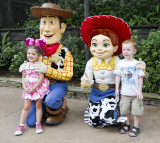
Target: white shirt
column 129, row 76
column 101, row 76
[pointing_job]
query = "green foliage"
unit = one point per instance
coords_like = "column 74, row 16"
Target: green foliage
column 19, row 57
column 6, row 51
column 11, row 55
column 143, row 12
column 149, row 51
column 76, row 47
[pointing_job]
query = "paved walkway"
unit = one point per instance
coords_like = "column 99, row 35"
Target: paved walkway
column 73, row 129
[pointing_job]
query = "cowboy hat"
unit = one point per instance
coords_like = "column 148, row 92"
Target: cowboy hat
column 51, row 9
column 112, row 23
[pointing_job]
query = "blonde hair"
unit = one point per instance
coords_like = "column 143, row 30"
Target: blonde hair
column 130, row 41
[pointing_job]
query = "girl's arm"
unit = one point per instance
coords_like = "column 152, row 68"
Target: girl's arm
column 39, row 82
column 23, row 83
column 140, row 85
column 118, row 78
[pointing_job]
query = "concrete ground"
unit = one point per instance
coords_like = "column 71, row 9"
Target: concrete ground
column 73, row 129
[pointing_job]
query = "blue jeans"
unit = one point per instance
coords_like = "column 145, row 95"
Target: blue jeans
column 96, row 95
column 53, row 100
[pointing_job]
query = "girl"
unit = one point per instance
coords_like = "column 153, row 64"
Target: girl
column 34, row 84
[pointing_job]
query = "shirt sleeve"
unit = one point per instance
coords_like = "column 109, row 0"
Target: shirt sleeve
column 65, row 74
column 117, row 69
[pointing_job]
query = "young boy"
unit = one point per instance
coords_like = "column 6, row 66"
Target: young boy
column 131, row 90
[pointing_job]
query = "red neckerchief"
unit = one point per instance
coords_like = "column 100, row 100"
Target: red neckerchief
column 51, row 49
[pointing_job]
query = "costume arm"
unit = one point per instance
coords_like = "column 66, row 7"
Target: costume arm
column 88, row 75
column 65, row 74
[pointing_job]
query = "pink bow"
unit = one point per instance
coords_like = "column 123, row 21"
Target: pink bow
column 37, row 42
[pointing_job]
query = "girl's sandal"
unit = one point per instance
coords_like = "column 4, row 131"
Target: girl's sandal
column 135, row 132
column 123, row 130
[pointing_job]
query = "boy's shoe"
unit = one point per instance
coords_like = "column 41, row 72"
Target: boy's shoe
column 135, row 131
column 39, row 128
column 19, row 130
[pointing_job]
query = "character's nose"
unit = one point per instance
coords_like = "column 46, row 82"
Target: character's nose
column 99, row 48
column 47, row 28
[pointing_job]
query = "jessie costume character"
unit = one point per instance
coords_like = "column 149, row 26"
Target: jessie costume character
column 104, row 36
column 56, row 63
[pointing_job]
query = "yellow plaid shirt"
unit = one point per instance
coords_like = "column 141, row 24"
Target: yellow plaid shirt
column 65, row 74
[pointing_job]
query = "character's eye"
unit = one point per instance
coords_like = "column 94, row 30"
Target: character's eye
column 94, row 45
column 105, row 45
column 52, row 22
column 44, row 22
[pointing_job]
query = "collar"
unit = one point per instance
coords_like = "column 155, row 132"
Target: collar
column 100, row 60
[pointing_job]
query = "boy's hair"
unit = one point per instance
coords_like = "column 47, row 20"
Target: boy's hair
column 130, row 41
column 38, row 50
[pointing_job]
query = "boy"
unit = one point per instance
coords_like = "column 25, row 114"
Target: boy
column 131, row 90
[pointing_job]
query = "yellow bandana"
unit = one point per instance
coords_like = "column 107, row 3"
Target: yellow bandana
column 110, row 65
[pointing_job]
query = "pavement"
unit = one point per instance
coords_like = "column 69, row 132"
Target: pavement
column 73, row 129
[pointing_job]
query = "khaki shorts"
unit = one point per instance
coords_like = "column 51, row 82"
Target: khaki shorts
column 130, row 104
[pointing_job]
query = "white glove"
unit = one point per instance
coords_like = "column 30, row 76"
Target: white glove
column 87, row 80
column 40, row 67
column 22, row 67
column 141, row 64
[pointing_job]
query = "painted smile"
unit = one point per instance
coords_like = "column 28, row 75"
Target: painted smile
column 100, row 53
column 48, row 36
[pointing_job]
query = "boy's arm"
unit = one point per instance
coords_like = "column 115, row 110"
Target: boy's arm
column 140, row 85
column 39, row 82
column 118, row 78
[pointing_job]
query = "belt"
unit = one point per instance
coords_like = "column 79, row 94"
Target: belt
column 52, row 81
column 104, row 86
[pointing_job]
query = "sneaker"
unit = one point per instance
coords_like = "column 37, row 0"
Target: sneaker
column 19, row 130
column 39, row 128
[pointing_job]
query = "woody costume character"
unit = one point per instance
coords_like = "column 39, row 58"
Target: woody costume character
column 56, row 63
column 104, row 36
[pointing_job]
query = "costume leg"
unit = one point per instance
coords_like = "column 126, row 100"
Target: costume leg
column 56, row 105
column 54, row 98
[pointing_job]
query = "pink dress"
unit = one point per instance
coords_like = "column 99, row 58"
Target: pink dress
column 31, row 78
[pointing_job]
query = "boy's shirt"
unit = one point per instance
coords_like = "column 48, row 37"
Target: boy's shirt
column 129, row 76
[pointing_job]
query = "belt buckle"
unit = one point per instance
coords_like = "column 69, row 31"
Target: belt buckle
column 103, row 87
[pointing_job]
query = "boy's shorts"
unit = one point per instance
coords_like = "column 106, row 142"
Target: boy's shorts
column 131, row 104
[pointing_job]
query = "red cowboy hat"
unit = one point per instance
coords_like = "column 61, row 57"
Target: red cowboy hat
column 113, row 23
column 51, row 9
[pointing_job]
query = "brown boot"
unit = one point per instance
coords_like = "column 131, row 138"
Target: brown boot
column 56, row 117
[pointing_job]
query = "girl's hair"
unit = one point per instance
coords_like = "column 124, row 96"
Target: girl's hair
column 130, row 41
column 38, row 50
column 105, row 32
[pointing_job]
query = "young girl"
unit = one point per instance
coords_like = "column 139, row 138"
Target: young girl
column 34, row 84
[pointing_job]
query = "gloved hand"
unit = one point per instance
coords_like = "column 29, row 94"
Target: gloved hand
column 141, row 64
column 22, row 67
column 87, row 80
column 40, row 67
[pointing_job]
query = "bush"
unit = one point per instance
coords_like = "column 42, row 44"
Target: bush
column 19, row 57
column 149, row 51
column 11, row 55
column 6, row 51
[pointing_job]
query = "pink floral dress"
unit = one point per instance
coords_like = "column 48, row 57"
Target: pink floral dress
column 31, row 78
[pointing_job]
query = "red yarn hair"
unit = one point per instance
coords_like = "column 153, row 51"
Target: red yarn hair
column 106, row 32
